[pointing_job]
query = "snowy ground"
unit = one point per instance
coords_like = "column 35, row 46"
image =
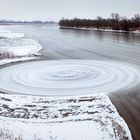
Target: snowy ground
column 61, row 118
column 83, row 117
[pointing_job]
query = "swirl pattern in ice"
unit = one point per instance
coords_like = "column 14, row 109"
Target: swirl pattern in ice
column 67, row 77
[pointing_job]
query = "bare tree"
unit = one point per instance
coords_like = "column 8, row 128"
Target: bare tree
column 99, row 22
column 137, row 17
column 115, row 17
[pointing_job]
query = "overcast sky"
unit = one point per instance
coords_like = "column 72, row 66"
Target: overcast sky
column 56, row 9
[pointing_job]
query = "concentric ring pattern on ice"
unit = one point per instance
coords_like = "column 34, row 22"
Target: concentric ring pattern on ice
column 67, row 77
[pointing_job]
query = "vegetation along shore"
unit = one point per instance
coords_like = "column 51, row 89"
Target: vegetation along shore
column 115, row 22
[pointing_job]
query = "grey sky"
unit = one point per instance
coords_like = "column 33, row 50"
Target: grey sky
column 56, row 9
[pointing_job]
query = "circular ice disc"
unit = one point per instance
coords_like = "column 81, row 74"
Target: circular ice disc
column 67, row 77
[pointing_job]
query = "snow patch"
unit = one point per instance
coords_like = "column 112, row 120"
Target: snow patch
column 9, row 34
column 20, row 47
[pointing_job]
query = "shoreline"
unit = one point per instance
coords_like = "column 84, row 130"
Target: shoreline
column 59, row 108
column 127, row 105
column 102, row 30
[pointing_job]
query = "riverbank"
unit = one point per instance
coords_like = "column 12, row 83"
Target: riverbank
column 101, row 29
column 128, row 107
column 80, row 117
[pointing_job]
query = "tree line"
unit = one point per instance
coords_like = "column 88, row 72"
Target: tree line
column 115, row 22
column 26, row 22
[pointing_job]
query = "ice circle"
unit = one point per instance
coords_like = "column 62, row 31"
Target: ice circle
column 67, row 77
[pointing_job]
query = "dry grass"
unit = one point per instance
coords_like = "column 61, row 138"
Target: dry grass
column 7, row 135
column 6, row 54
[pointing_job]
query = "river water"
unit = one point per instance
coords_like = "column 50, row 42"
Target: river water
column 79, row 44
column 62, row 44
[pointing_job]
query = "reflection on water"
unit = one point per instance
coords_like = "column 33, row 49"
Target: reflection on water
column 102, row 35
column 76, row 33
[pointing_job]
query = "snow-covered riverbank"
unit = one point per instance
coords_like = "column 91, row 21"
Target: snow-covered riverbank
column 18, row 45
column 70, row 118
column 95, row 29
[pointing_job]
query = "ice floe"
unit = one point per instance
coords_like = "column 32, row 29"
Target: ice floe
column 68, row 77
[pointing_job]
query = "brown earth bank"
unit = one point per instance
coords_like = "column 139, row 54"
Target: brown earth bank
column 128, row 106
